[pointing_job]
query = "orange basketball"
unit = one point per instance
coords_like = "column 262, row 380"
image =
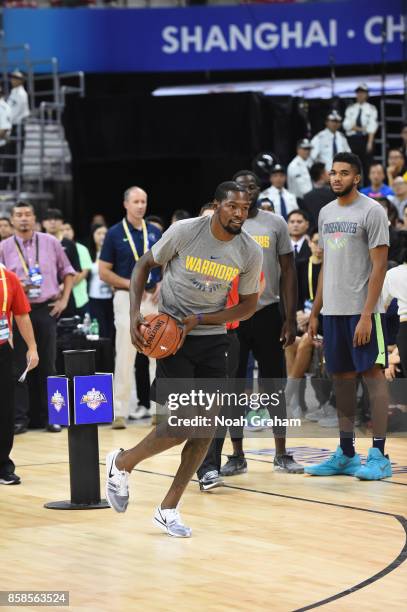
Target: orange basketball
column 162, row 336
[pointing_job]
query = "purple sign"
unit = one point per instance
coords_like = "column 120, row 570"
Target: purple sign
column 93, row 399
column 58, row 400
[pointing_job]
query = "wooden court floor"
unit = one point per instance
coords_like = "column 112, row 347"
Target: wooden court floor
column 267, row 541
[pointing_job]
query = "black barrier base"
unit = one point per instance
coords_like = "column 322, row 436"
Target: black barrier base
column 68, row 505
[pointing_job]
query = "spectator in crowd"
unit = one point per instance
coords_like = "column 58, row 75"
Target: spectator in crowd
column 396, row 166
column 20, row 110
column 98, row 219
column 404, row 218
column 298, row 226
column 157, row 221
column 40, row 263
column 5, row 131
column 14, row 305
column 6, row 229
column 330, row 141
column 179, row 214
column 399, row 199
column 299, row 354
column 123, row 246
column 395, row 286
column 403, row 147
column 207, row 209
column 100, row 294
column 53, row 222
column 391, row 210
column 396, row 244
column 298, row 176
column 283, row 201
column 377, row 187
column 266, row 204
column 319, row 195
column 360, row 125
column 80, row 287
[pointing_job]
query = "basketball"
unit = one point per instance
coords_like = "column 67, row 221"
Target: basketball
column 162, row 336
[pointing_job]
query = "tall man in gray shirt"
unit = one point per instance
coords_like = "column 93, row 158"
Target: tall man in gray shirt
column 200, row 257
column 354, row 234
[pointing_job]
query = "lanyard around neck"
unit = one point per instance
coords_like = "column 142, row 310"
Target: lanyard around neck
column 5, row 290
column 25, row 263
column 310, row 288
column 131, row 241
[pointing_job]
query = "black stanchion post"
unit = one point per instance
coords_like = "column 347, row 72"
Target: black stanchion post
column 83, row 445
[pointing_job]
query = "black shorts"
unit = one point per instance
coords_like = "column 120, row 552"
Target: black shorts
column 201, row 357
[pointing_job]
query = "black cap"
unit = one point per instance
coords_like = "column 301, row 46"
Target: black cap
column 277, row 168
column 334, row 116
column 304, row 143
column 17, row 74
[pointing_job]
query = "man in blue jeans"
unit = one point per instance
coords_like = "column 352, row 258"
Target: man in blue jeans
column 354, row 235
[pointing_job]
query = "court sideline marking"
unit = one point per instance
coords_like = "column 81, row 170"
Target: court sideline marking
column 401, row 557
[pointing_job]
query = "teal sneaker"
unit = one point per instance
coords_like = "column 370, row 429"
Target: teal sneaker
column 338, row 463
column 257, row 419
column 377, row 466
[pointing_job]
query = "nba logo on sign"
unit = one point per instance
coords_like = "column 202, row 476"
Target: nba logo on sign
column 57, row 400
column 93, row 399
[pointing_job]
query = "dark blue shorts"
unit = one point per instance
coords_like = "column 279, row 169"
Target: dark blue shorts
column 342, row 356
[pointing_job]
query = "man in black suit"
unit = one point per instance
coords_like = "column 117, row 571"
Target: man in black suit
column 320, row 195
column 298, row 226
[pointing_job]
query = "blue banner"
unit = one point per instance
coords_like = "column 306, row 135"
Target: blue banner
column 93, row 399
column 211, row 38
column 58, row 400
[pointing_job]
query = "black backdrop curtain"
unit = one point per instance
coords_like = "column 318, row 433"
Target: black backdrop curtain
column 177, row 148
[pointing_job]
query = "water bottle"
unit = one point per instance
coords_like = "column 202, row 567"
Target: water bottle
column 87, row 322
column 94, row 329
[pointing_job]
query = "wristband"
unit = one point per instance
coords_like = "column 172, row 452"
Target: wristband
column 199, row 317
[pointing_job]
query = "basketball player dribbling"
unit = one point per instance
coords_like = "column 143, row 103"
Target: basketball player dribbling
column 200, row 256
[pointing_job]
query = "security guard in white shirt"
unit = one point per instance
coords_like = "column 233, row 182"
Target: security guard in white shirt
column 283, row 201
column 5, row 130
column 298, row 176
column 20, row 110
column 18, row 98
column 5, row 120
column 330, row 141
column 360, row 125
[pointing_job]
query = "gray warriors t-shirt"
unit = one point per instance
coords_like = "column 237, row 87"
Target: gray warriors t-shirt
column 347, row 233
column 270, row 231
column 199, row 270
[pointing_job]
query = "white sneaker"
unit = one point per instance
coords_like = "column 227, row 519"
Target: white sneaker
column 169, row 520
column 315, row 415
column 330, row 419
column 294, row 411
column 141, row 412
column 117, row 483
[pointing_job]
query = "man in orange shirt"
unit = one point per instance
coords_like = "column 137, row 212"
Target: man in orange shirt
column 13, row 303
